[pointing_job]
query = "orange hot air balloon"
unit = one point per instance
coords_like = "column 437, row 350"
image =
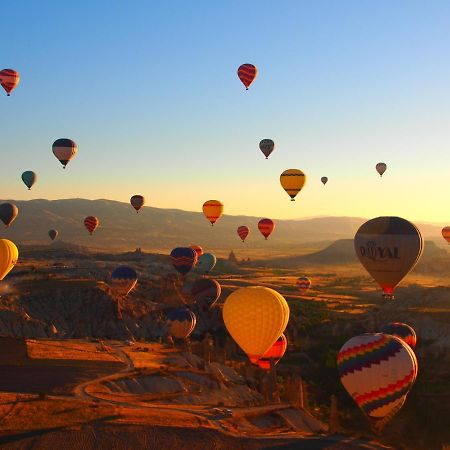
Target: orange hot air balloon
column 137, row 202
column 91, row 223
column 292, row 181
column 9, row 79
column 266, row 226
column 197, row 250
column 213, row 209
column 275, row 353
column 247, row 74
column 446, row 234
column 243, row 232
column 388, row 248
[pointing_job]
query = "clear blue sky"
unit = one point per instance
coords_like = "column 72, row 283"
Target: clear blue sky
column 149, row 92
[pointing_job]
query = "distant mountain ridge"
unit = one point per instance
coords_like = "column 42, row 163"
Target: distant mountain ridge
column 161, row 229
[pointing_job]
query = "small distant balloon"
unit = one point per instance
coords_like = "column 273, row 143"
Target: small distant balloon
column 266, row 226
column 123, row 280
column 197, row 250
column 324, row 180
column 303, row 283
column 267, row 146
column 243, row 232
column 206, row 291
column 446, row 234
column 247, row 74
column 180, row 323
column 8, row 213
column 29, row 178
column 292, row 181
column 206, row 262
column 9, row 79
column 213, row 210
column 137, row 202
column 401, row 330
column 8, row 257
column 183, row 259
column 53, row 234
column 381, row 168
column 275, row 353
column 64, row 150
column 91, row 223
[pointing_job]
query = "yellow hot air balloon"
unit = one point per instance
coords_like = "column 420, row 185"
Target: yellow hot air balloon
column 213, row 209
column 8, row 257
column 255, row 317
column 292, row 181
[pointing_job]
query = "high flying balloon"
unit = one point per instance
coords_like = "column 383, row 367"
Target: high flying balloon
column 8, row 257
column 29, row 178
column 381, row 168
column 267, row 146
column 243, row 231
column 265, row 227
column 53, row 234
column 255, row 317
column 8, row 213
column 9, row 79
column 183, row 259
column 247, row 74
column 123, row 280
column 446, row 234
column 137, row 202
column 91, row 223
column 388, row 248
column 206, row 291
column 206, row 262
column 402, row 331
column 180, row 323
column 324, row 180
column 213, row 210
column 64, row 150
column 378, row 371
column 292, row 181
column 275, row 353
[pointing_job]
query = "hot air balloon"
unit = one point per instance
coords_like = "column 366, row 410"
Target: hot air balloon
column 388, row 248
column 53, row 234
column 402, row 331
column 446, row 234
column 197, row 250
column 303, row 283
column 378, row 371
column 29, row 178
column 91, row 223
column 292, row 181
column 206, row 291
column 247, row 73
column 266, row 226
column 9, row 79
column 180, row 323
column 8, row 257
column 64, row 150
column 324, row 180
column 243, row 232
column 381, row 168
column 213, row 209
column 183, row 259
column 275, row 353
column 206, row 262
column 123, row 280
column 267, row 146
column 137, row 202
column 8, row 213
column 255, row 317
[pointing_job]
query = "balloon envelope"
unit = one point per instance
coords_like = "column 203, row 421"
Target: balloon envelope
column 402, row 331
column 388, row 248
column 303, row 283
column 180, row 322
column 29, row 178
column 9, row 79
column 255, row 317
column 53, row 234
column 8, row 213
column 206, row 262
column 266, row 226
column 324, row 180
column 206, row 291
column 91, row 223
column 378, row 371
column 292, row 181
column 64, row 150
column 123, row 280
column 247, row 74
column 137, row 202
column 197, row 250
column 446, row 234
column 183, row 259
column 381, row 168
column 243, row 232
column 267, row 146
column 213, row 210
column 275, row 353
column 8, row 257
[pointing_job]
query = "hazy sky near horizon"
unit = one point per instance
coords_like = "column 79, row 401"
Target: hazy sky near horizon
column 149, row 92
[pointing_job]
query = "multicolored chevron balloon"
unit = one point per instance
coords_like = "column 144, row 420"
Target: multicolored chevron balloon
column 402, row 331
column 183, row 259
column 303, row 283
column 378, row 371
